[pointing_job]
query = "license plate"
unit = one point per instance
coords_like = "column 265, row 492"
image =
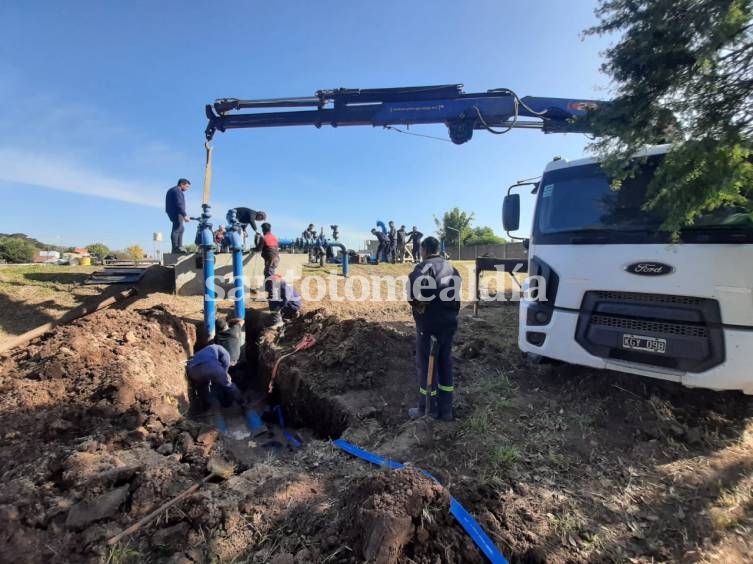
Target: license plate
column 642, row 343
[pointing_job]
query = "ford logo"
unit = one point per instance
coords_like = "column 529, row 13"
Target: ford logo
column 649, row 268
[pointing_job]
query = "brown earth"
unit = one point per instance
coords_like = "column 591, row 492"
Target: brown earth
column 557, row 464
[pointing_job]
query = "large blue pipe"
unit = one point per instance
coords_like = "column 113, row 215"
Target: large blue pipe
column 207, row 255
column 346, row 266
column 234, row 239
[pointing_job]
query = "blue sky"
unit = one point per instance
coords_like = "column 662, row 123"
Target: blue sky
column 103, row 109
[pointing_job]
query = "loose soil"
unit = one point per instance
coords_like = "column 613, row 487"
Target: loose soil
column 558, row 464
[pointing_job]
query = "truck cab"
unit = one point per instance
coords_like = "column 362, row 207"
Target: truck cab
column 607, row 288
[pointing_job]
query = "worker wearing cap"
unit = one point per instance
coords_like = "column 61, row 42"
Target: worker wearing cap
column 415, row 239
column 175, row 208
column 208, row 372
column 285, row 302
column 434, row 296
column 269, row 247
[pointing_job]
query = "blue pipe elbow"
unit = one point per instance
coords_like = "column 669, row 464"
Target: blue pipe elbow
column 346, row 266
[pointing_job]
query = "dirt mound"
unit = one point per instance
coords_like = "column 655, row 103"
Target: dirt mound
column 403, row 516
column 89, row 414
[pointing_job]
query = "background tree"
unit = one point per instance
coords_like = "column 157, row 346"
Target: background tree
column 483, row 236
column 683, row 71
column 98, row 249
column 16, row 250
column 191, row 247
column 456, row 219
column 135, row 252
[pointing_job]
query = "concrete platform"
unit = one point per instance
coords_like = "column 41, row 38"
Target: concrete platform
column 189, row 274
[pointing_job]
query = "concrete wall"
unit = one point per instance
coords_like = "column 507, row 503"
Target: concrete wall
column 189, row 275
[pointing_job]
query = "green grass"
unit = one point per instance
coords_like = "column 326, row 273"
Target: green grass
column 502, row 403
column 52, row 277
column 498, row 384
column 480, row 421
column 120, row 554
column 505, row 456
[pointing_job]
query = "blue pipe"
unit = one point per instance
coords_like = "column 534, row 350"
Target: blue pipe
column 234, row 238
column 346, row 266
column 465, row 519
column 206, row 236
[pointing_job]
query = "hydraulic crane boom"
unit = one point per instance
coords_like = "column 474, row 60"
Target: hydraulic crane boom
column 384, row 107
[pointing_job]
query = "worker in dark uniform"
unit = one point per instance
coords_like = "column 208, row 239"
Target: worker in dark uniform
column 392, row 234
column 434, row 296
column 401, row 240
column 269, row 247
column 383, row 240
column 175, row 208
column 415, row 239
column 247, row 216
column 229, row 336
column 208, row 372
column 285, row 302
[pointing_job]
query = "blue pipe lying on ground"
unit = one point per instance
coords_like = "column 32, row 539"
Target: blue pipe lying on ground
column 465, row 519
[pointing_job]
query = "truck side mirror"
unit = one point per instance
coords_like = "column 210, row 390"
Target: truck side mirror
column 511, row 212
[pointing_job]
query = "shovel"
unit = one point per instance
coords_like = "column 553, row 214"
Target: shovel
column 430, row 372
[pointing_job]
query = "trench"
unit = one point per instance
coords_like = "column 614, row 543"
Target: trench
column 305, row 407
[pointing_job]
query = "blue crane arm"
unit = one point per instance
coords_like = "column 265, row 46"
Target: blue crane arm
column 462, row 113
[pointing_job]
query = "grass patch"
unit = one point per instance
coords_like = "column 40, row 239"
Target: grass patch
column 499, row 384
column 502, row 403
column 583, row 421
column 505, row 456
column 480, row 421
column 120, row 554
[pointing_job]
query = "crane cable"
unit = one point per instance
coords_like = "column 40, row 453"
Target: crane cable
column 398, row 130
column 207, row 174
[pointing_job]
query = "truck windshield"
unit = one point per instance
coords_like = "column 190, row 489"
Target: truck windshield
column 578, row 204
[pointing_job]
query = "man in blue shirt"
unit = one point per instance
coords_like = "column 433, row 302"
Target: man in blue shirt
column 208, row 371
column 175, row 207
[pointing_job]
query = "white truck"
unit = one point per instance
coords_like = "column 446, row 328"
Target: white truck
column 617, row 293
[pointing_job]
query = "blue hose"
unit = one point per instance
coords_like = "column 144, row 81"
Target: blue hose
column 465, row 519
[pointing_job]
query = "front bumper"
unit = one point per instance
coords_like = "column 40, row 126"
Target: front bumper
column 558, row 341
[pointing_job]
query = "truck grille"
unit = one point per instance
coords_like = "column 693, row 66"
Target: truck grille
column 647, row 298
column 642, row 325
column 688, row 329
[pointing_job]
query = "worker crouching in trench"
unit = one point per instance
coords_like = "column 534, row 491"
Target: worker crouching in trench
column 209, row 369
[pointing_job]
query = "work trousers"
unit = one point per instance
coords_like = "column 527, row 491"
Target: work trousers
column 442, row 389
column 176, row 235
column 381, row 254
column 416, row 252
column 270, row 268
column 212, row 378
